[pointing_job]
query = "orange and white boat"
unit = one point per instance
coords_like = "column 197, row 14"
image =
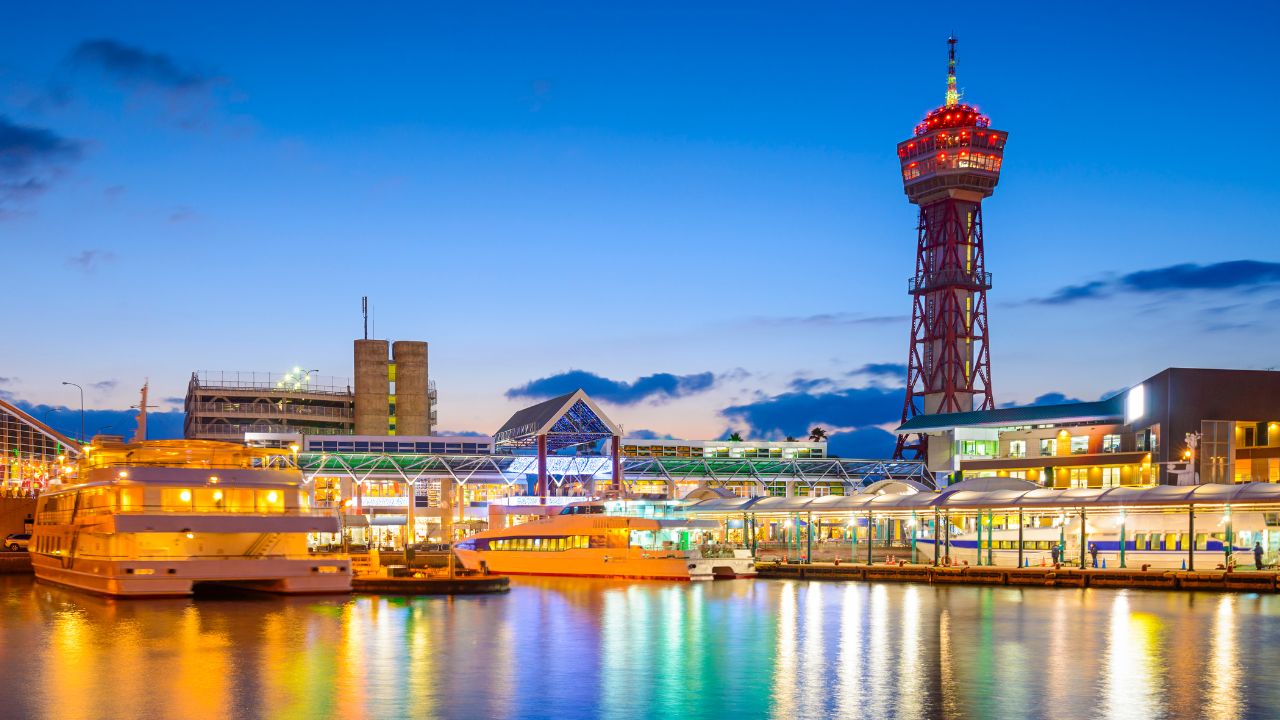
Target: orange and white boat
column 158, row 518
column 612, row 539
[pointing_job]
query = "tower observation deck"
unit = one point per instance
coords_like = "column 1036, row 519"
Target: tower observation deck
column 950, row 164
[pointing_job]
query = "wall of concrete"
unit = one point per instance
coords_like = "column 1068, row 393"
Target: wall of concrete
column 14, row 513
column 371, row 387
column 412, row 406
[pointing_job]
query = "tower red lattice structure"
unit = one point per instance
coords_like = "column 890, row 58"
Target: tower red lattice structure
column 948, row 167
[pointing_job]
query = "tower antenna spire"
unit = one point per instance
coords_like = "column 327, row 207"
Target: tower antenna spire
column 953, row 95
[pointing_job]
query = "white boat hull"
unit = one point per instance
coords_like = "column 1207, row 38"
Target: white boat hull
column 178, row 577
column 632, row 563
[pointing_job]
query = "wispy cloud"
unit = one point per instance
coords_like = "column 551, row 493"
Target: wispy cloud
column 897, row 371
column 133, row 67
column 834, row 319
column 1229, row 275
column 658, row 387
column 187, row 95
column 30, row 158
column 90, row 260
column 105, row 385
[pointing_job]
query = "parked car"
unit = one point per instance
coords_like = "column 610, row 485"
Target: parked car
column 17, row 541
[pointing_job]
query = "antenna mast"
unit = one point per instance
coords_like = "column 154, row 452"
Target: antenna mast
column 953, row 94
column 364, row 308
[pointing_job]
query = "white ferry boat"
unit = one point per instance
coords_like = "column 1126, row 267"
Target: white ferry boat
column 608, row 539
column 158, row 518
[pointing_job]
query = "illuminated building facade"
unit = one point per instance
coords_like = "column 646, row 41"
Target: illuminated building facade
column 35, row 456
column 1137, row 437
column 949, row 166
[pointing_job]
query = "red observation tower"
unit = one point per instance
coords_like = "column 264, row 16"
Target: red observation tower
column 949, row 166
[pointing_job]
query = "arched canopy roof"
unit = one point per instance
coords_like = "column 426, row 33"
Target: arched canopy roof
column 964, row 498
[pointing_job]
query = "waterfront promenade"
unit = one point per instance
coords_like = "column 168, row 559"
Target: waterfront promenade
column 1265, row 581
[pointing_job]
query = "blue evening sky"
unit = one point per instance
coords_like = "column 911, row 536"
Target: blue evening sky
column 705, row 193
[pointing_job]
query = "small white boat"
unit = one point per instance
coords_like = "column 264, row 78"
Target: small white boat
column 611, row 539
column 157, row 518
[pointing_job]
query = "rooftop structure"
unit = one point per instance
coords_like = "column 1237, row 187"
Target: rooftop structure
column 950, row 164
column 393, row 394
column 226, row 405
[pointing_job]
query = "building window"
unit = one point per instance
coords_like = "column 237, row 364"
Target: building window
column 983, row 448
column 1079, row 444
column 1110, row 443
column 1048, row 447
column 1017, row 448
column 1110, row 477
column 1078, row 477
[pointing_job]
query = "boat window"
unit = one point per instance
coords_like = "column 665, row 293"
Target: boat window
column 172, row 499
column 269, row 500
column 1171, row 541
column 1202, row 541
column 1140, row 541
column 1184, row 541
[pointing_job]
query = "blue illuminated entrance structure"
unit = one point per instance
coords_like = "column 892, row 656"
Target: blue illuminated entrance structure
column 562, row 422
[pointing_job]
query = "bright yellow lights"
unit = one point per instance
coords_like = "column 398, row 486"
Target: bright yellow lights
column 213, row 479
column 123, row 474
column 217, row 496
column 191, row 536
column 272, row 496
column 294, row 447
column 185, row 495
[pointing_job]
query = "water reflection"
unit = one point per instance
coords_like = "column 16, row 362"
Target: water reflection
column 570, row 648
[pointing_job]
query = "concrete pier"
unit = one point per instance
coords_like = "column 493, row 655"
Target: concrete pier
column 1217, row 580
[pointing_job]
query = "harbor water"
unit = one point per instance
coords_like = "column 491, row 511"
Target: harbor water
column 572, row 648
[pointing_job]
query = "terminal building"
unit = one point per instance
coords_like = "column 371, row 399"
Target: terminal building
column 1181, row 426
column 34, row 454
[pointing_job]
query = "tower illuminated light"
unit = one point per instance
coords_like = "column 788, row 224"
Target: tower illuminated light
column 948, row 167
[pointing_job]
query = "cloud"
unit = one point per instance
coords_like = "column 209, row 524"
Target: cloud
column 182, row 214
column 794, row 413
column 105, row 385
column 864, row 442
column 658, row 387
column 459, row 433
column 30, row 157
column 66, row 420
column 6, row 394
column 89, row 260
column 134, row 68
column 1229, row 275
column 897, row 371
column 1049, row 398
column 838, row 319
column 649, row 435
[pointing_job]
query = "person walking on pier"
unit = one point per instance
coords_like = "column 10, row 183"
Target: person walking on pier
column 1055, row 552
column 1093, row 553
column 1257, row 555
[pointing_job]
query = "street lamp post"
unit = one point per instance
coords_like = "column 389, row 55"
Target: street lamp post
column 64, row 382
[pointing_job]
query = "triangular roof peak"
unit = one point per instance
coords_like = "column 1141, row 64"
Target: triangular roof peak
column 566, row 420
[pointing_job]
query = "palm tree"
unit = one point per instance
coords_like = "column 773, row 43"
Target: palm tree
column 735, row 436
column 817, row 434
